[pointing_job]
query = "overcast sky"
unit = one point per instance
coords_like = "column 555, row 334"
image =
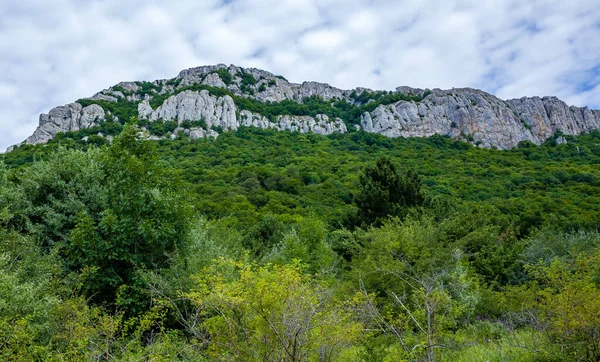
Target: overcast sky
column 56, row 51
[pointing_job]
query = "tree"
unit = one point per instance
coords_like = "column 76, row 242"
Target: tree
column 418, row 285
column 565, row 305
column 145, row 220
column 12, row 202
column 385, row 193
column 272, row 313
column 306, row 242
column 55, row 191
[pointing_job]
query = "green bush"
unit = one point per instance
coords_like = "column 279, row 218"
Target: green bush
column 225, row 75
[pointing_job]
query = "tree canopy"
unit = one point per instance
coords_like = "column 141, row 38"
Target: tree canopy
column 265, row 245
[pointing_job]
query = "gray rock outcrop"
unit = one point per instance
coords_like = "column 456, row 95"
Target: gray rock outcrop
column 196, row 133
column 144, row 109
column 195, row 106
column 466, row 114
column 69, row 118
column 222, row 112
column 480, row 118
column 321, row 124
column 213, row 80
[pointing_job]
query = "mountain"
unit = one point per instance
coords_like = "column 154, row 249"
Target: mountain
column 263, row 245
column 203, row 101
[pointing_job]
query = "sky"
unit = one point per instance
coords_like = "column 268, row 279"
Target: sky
column 54, row 52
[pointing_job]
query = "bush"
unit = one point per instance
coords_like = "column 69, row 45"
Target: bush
column 224, row 75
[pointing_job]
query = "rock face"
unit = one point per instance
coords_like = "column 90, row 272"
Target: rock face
column 481, row 118
column 194, row 106
column 276, row 88
column 71, row 117
column 467, row 114
column 544, row 116
column 222, row 112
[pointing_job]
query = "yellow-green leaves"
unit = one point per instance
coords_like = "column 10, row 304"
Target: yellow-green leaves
column 272, row 313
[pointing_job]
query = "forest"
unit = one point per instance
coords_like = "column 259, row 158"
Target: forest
column 262, row 245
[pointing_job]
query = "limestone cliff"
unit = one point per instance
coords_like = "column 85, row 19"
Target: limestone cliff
column 222, row 112
column 71, row 117
column 468, row 114
column 480, row 118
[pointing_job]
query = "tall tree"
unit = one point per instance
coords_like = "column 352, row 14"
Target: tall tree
column 384, row 192
column 145, row 220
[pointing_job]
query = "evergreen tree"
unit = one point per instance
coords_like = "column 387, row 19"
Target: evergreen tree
column 384, row 192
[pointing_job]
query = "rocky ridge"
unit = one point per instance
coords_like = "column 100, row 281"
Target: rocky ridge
column 222, row 112
column 463, row 113
column 69, row 118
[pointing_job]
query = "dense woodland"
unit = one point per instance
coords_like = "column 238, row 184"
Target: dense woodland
column 279, row 246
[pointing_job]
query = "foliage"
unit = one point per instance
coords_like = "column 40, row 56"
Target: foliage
column 418, row 283
column 122, row 109
column 547, row 246
column 174, row 82
column 148, row 88
column 225, row 75
column 143, row 221
column 248, row 79
column 566, row 305
column 25, row 275
column 238, row 248
column 162, row 128
column 56, row 191
column 295, row 174
column 191, row 124
column 272, row 314
column 385, row 193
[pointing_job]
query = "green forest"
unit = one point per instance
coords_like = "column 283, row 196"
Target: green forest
column 263, row 245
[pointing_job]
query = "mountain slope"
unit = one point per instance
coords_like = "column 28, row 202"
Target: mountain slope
column 202, row 101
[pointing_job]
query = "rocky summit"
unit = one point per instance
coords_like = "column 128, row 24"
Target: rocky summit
column 206, row 100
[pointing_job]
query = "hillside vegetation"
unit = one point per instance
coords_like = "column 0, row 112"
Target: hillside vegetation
column 275, row 246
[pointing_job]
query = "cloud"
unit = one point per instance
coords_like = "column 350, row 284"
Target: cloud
column 54, row 52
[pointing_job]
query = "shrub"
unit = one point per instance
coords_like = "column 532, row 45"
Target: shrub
column 224, row 75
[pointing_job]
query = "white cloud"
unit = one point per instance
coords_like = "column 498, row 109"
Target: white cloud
column 54, row 52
